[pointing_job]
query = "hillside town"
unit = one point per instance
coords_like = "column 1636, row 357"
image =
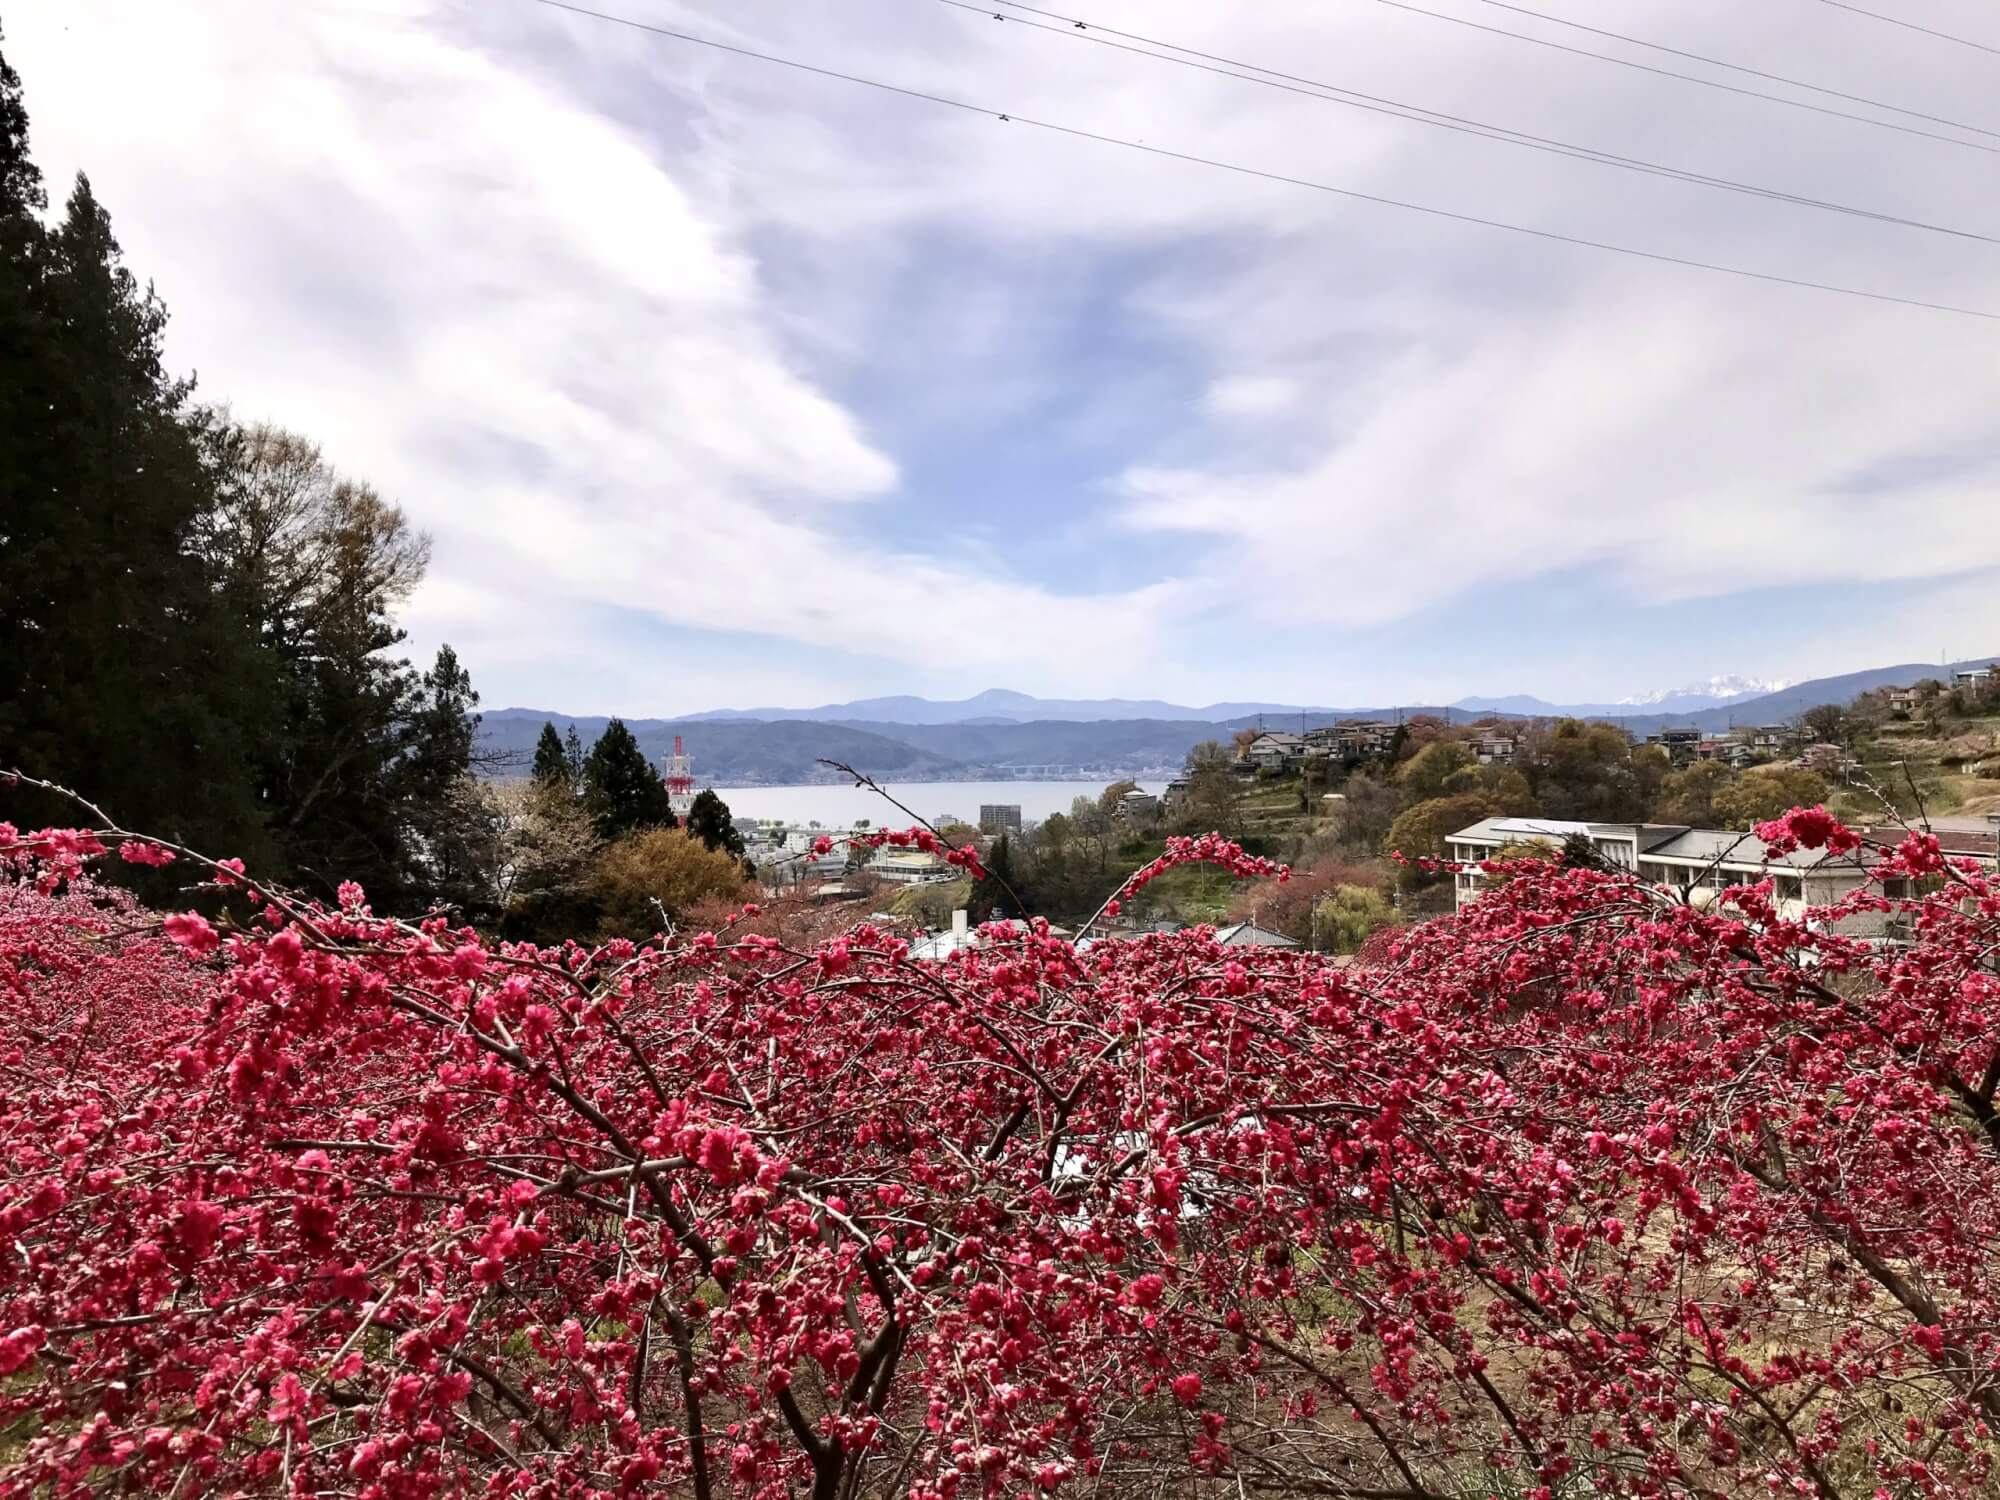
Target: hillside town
column 1390, row 822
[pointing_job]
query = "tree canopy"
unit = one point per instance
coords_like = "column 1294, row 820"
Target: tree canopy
column 621, row 787
column 196, row 617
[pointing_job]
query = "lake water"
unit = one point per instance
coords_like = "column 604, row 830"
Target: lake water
column 840, row 806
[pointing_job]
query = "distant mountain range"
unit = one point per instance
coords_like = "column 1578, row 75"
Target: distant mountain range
column 1006, row 734
column 1000, row 706
column 743, row 752
column 1715, row 690
column 1714, row 693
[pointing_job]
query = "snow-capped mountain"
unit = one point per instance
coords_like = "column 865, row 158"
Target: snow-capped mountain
column 1706, row 694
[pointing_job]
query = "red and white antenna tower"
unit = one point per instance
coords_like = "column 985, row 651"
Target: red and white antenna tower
column 680, row 780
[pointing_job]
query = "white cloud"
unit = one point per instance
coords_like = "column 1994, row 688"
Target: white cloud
column 593, row 304
column 1672, row 444
column 501, row 306
column 1251, row 396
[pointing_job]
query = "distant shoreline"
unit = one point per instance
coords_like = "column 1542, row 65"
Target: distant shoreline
column 1155, row 774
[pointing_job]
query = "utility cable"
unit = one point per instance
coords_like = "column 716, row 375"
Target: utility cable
column 1945, row 36
column 1716, row 62
column 1695, row 78
column 1077, row 133
column 1079, row 29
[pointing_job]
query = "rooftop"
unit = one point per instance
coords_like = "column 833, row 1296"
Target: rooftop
column 1502, row 830
column 1721, row 846
column 1250, row 935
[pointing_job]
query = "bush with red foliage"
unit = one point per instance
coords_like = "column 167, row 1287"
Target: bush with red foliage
column 1582, row 1185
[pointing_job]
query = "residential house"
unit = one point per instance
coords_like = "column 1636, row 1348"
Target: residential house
column 1697, row 863
column 1617, row 843
column 1352, row 739
column 1681, row 745
column 1972, row 676
column 1493, row 748
column 1274, row 750
column 1250, row 935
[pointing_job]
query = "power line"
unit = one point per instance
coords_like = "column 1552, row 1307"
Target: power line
column 1078, row 29
column 1707, row 83
column 1716, row 62
column 1077, row 133
column 1876, row 15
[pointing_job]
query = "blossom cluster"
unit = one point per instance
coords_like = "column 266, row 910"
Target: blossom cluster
column 1807, row 828
column 1206, row 848
column 1580, row 1190
column 924, row 839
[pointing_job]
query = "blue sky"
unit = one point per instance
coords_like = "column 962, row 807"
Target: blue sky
column 718, row 385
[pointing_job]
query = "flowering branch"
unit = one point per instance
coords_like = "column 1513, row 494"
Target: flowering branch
column 1575, row 1186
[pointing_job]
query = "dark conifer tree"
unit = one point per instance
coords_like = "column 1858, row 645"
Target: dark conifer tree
column 709, row 820
column 451, row 838
column 123, row 671
column 443, row 728
column 319, row 563
column 551, row 767
column 990, row 900
column 622, row 789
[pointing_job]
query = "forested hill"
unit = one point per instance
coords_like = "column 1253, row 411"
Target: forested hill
column 1122, row 744
column 740, row 751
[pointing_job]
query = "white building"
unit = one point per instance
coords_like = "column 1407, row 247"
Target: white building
column 1698, row 864
column 910, row 866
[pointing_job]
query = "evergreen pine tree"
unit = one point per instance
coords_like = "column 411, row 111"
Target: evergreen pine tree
column 574, row 753
column 551, row 768
column 450, row 838
column 709, row 820
column 621, row 788
column 318, row 563
column 442, row 729
column 123, row 670
column 990, row 901
column 195, row 618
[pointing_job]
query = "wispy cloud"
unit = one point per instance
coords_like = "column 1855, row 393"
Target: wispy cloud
column 718, row 382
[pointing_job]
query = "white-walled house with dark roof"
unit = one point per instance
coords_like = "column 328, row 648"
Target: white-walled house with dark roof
column 1697, row 864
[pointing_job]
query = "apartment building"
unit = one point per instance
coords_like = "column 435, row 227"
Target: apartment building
column 999, row 817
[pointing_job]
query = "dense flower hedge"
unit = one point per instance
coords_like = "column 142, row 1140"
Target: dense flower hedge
column 1581, row 1188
